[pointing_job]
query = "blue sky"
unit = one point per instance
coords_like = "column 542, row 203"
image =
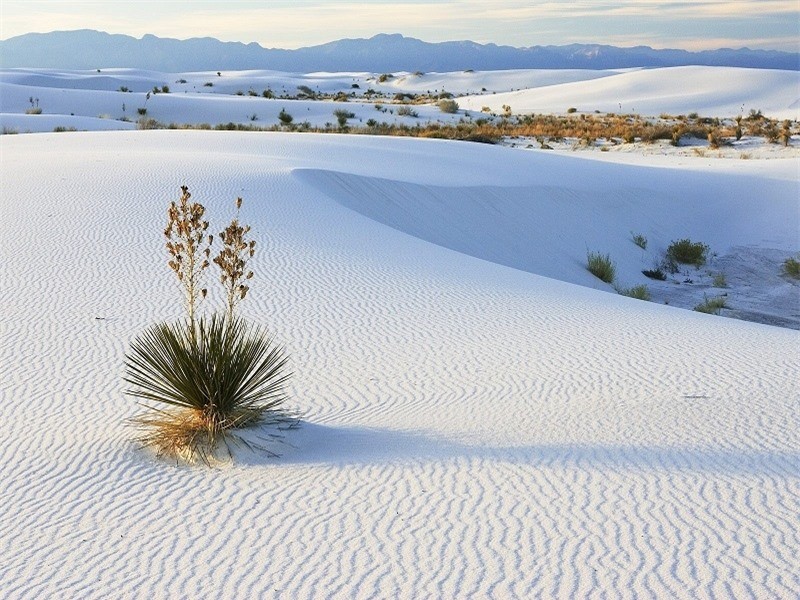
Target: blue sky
column 693, row 25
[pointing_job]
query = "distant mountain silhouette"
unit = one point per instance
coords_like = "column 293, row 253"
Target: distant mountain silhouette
column 89, row 49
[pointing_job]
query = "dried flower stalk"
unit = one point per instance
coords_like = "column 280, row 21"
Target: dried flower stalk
column 189, row 248
column 232, row 261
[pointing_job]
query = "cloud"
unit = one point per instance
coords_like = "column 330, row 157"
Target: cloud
column 512, row 22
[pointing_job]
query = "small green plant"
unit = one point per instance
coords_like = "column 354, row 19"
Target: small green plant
column 687, row 252
column 448, row 106
column 601, row 266
column 720, row 281
column 711, row 306
column 640, row 292
column 141, row 111
column 791, row 267
column 572, row 110
column 639, row 239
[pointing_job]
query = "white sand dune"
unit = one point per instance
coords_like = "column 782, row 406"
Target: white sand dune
column 68, row 98
column 471, row 428
column 710, row 91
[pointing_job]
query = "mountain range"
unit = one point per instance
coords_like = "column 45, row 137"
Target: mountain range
column 89, row 49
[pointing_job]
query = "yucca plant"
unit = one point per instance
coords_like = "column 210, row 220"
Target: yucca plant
column 227, row 375
column 202, row 377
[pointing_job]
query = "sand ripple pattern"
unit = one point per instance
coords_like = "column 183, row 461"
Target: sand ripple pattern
column 470, row 430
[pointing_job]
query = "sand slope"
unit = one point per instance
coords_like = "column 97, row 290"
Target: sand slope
column 470, row 429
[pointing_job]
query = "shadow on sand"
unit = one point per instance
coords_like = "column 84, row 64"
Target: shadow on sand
column 314, row 444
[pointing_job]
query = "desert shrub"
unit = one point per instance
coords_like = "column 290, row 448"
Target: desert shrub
column 342, row 116
column 62, row 129
column 284, row 117
column 33, row 111
column 407, row 111
column 639, row 239
column 148, row 124
column 720, row 281
column 141, row 111
column 601, row 266
column 204, row 376
column 208, row 84
column 656, row 273
column 791, row 268
column 384, row 77
column 268, row 93
column 124, row 88
column 688, row 252
column 448, row 106
column 711, row 306
column 306, row 92
column 165, row 89
column 572, row 110
column 640, row 292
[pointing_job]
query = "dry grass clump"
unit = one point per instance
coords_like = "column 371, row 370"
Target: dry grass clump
column 206, row 376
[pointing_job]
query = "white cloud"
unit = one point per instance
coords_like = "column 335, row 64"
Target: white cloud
column 309, row 22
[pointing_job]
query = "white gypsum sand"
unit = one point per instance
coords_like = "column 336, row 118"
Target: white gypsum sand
column 471, row 428
column 89, row 100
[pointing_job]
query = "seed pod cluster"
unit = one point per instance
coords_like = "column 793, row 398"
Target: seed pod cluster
column 188, row 246
column 232, row 261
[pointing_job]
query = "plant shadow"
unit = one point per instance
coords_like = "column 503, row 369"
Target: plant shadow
column 316, row 444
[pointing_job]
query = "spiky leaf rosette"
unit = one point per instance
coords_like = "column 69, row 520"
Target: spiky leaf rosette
column 228, row 374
